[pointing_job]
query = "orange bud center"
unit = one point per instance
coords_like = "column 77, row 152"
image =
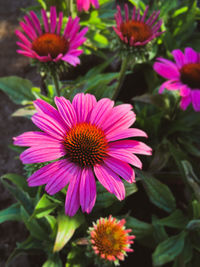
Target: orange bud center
column 85, row 144
column 190, row 75
column 50, row 43
column 137, row 30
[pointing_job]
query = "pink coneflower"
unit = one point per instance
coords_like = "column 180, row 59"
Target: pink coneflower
column 85, row 4
column 183, row 75
column 110, row 240
column 46, row 43
column 135, row 31
column 87, row 135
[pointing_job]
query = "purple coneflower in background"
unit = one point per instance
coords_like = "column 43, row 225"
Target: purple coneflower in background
column 87, row 135
column 183, row 75
column 110, row 239
column 135, row 31
column 85, row 4
column 46, row 43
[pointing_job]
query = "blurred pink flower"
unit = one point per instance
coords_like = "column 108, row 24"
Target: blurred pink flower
column 135, row 31
column 183, row 75
column 87, row 135
column 85, row 4
column 110, row 239
column 46, row 43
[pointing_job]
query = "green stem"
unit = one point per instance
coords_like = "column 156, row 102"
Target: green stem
column 56, row 83
column 70, row 7
column 121, row 77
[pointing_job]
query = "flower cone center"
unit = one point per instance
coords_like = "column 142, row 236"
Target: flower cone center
column 137, row 30
column 85, row 144
column 109, row 239
column 50, row 43
column 190, row 75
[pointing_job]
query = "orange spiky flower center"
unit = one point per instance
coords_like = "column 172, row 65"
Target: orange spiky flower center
column 137, row 30
column 85, row 144
column 190, row 75
column 110, row 239
column 50, row 44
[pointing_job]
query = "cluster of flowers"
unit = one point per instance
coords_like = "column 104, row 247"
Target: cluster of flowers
column 88, row 138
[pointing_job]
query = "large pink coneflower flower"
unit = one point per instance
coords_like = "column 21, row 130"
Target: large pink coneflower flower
column 87, row 136
column 183, row 75
column 110, row 239
column 85, row 4
column 46, row 43
column 135, row 31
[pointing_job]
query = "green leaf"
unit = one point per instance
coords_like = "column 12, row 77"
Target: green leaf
column 139, row 228
column 33, row 226
column 159, row 232
column 193, row 225
column 169, row 249
column 174, row 220
column 24, row 112
column 66, row 228
column 53, row 261
column 18, row 180
column 21, row 248
column 18, row 89
column 196, row 209
column 18, row 193
column 10, row 214
column 158, row 193
column 44, row 207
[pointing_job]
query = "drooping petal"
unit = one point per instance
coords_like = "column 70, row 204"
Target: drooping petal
column 196, row 99
column 121, row 168
column 125, row 156
column 62, row 178
column 110, row 180
column 72, row 202
column 185, row 102
column 87, row 190
column 179, row 57
column 191, row 56
column 46, row 173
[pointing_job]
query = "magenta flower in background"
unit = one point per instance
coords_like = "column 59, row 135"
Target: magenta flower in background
column 85, row 4
column 183, row 75
column 88, row 136
column 46, row 43
column 134, row 30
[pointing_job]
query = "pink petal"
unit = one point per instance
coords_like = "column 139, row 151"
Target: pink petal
column 133, row 146
column 185, row 102
column 59, row 23
column 53, row 17
column 121, row 168
column 72, row 202
column 45, row 20
column 191, row 56
column 49, row 125
column 110, row 180
column 166, row 69
column 43, row 153
column 179, row 57
column 196, row 99
column 83, row 105
column 125, row 156
column 101, row 111
column 126, row 133
column 63, row 176
column 66, row 111
column 46, row 173
column 87, row 190
column 34, row 139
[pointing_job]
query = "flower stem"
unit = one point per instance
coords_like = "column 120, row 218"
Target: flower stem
column 121, row 77
column 56, row 83
column 70, row 7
